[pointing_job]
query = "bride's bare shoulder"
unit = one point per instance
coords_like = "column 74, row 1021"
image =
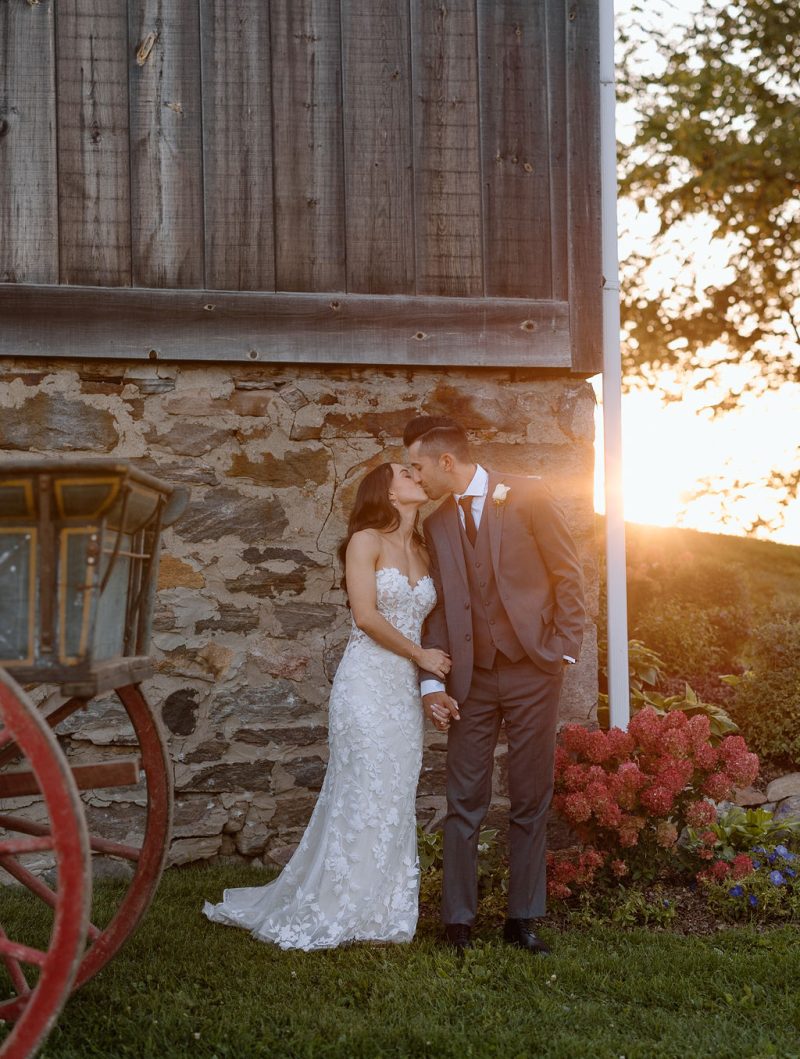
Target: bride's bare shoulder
column 364, row 542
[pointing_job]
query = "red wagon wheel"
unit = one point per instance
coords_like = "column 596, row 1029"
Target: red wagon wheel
column 147, row 858
column 39, row 999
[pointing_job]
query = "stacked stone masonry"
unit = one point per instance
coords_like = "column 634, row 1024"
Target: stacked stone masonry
column 251, row 620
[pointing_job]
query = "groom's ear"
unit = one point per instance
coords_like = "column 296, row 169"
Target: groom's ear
column 446, row 462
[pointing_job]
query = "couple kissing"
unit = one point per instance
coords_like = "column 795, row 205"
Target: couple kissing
column 471, row 623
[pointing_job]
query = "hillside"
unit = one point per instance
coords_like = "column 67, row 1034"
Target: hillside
column 711, row 605
column 770, row 571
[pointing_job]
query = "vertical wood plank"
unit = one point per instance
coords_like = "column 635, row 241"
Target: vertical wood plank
column 447, row 172
column 515, row 143
column 166, row 151
column 378, row 146
column 93, row 148
column 237, row 145
column 556, row 28
column 28, row 195
column 583, row 131
column 309, row 175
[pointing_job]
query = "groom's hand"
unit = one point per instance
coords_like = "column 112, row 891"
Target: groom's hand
column 441, row 708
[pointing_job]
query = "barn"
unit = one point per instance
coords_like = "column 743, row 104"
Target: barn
column 241, row 244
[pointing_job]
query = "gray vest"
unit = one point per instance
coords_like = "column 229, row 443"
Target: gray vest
column 491, row 629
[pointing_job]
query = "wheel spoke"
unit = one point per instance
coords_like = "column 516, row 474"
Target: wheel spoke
column 54, row 717
column 22, row 953
column 16, row 846
column 113, row 849
column 18, row 979
column 39, row 888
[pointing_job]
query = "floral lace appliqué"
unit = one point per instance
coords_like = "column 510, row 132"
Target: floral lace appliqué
column 355, row 874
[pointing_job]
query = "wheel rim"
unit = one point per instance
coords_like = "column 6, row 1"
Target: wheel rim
column 149, row 857
column 36, row 1007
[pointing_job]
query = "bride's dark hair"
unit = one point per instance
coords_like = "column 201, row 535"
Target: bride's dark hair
column 372, row 508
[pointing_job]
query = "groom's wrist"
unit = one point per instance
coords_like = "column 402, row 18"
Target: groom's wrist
column 431, row 686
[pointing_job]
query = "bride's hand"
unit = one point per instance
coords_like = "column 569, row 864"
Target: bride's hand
column 433, row 661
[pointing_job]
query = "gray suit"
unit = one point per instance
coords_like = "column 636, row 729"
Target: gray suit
column 509, row 608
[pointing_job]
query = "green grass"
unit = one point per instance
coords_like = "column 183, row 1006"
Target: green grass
column 185, row 987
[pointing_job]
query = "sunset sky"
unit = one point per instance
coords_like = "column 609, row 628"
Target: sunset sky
column 670, row 449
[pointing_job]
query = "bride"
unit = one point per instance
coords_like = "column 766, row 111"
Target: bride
column 355, row 873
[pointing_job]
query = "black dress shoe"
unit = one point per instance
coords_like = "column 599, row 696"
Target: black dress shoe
column 519, row 932
column 458, row 935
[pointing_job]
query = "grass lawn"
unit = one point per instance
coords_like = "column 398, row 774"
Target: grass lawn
column 185, row 987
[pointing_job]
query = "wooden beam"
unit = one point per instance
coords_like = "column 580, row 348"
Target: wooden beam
column 309, row 153
column 583, row 167
column 94, row 207
column 237, row 145
column 122, row 773
column 28, row 195
column 76, row 322
column 166, row 149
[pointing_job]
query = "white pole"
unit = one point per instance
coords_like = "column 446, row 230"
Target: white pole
column 618, row 689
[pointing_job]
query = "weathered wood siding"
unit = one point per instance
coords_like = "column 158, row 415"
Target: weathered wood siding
column 357, row 149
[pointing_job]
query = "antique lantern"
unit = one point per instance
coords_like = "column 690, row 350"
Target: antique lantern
column 79, row 545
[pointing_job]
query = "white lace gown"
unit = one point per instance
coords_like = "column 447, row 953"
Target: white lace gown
column 355, row 874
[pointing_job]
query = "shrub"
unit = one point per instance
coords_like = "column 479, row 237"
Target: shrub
column 696, row 609
column 645, row 668
column 767, row 701
column 688, row 638
column 630, row 794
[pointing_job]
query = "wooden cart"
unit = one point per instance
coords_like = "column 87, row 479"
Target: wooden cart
column 79, row 545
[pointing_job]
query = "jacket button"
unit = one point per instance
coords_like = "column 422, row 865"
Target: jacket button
column 478, row 565
column 466, row 605
column 467, row 636
column 492, row 621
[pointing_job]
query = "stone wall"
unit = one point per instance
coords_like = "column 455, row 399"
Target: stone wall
column 251, row 621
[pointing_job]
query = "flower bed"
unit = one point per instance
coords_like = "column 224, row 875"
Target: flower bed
column 645, row 806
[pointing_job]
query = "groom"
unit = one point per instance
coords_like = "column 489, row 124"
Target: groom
column 510, row 614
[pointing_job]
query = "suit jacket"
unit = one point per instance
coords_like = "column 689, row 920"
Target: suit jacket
column 536, row 569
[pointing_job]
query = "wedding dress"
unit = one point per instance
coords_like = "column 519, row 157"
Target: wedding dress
column 355, row 874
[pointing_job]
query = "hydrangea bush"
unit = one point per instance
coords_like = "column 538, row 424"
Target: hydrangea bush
column 630, row 795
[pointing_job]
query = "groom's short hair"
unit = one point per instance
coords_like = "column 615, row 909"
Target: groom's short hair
column 438, row 434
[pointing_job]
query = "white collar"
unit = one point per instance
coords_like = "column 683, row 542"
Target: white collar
column 479, row 486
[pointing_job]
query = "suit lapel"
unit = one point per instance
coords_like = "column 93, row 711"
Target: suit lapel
column 448, row 525
column 494, row 513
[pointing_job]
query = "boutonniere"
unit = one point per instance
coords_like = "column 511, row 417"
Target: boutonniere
column 499, row 496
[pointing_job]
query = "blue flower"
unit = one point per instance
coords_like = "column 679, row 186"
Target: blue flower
column 756, row 864
column 736, row 891
column 776, row 878
column 758, row 849
column 752, row 900
column 771, row 858
column 790, row 872
column 782, row 851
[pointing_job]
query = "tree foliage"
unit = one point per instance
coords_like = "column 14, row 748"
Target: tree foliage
column 716, row 149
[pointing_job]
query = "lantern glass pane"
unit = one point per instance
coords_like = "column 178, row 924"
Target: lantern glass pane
column 112, row 607
column 76, row 593
column 17, row 597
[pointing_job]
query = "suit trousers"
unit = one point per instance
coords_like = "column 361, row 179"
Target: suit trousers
column 525, row 699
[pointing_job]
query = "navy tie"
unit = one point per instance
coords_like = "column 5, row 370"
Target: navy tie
column 465, row 503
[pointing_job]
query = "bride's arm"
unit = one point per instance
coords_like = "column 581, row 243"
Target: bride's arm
column 361, row 560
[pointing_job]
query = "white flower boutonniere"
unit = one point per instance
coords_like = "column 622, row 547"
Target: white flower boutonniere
column 499, row 496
